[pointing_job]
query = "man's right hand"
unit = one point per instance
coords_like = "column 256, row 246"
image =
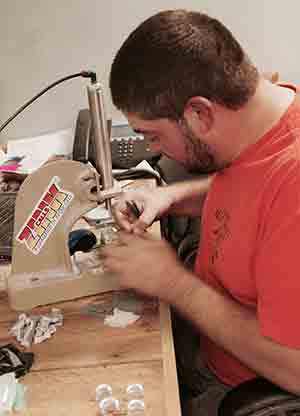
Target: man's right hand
column 151, row 202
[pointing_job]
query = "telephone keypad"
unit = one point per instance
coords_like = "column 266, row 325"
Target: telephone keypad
column 128, row 149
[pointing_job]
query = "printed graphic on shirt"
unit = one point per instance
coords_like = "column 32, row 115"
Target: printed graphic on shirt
column 45, row 216
column 220, row 233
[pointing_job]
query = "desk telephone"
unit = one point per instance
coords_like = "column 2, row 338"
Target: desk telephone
column 127, row 147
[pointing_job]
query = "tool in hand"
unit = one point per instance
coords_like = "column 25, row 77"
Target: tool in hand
column 133, row 208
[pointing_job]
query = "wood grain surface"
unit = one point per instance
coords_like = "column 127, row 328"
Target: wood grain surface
column 84, row 353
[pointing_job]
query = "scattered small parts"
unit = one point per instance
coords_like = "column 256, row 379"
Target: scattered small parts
column 120, row 319
column 34, row 329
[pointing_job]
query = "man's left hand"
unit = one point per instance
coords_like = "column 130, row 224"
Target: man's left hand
column 144, row 264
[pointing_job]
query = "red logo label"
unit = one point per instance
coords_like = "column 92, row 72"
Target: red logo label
column 44, row 217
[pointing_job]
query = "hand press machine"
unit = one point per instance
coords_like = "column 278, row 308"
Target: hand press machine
column 48, row 204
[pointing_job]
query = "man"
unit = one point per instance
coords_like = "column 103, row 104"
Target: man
column 183, row 80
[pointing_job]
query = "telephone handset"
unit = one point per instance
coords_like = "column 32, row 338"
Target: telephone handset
column 127, row 147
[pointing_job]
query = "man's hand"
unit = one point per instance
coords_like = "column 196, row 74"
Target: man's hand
column 146, row 265
column 151, row 202
column 182, row 198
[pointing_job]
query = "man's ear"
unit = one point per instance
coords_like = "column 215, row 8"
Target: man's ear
column 199, row 114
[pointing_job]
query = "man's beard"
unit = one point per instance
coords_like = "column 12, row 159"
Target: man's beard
column 200, row 157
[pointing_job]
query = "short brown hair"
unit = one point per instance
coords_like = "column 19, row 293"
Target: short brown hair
column 175, row 55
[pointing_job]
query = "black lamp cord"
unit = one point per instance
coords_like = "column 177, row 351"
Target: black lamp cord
column 85, row 74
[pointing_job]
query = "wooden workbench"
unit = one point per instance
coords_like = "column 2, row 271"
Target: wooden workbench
column 84, row 353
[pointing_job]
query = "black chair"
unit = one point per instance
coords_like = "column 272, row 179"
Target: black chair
column 259, row 397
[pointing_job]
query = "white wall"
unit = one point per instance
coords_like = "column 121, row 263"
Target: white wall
column 41, row 41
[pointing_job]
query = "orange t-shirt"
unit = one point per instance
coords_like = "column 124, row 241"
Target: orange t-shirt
column 250, row 240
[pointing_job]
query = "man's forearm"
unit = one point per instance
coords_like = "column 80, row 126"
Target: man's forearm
column 235, row 328
column 189, row 196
